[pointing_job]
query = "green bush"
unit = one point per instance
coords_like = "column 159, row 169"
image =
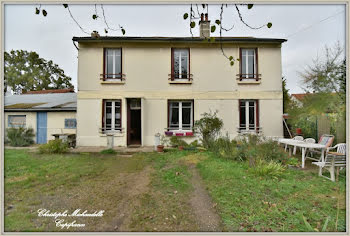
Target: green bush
column 176, row 141
column 108, row 151
column 270, row 169
column 54, row 146
column 208, row 127
column 226, row 148
column 20, row 137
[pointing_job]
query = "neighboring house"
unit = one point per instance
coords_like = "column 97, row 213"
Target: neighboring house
column 298, row 98
column 134, row 87
column 47, row 112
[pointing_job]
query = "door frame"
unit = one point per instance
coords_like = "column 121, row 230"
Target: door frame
column 128, row 121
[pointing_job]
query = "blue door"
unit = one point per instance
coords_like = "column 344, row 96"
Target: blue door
column 41, row 127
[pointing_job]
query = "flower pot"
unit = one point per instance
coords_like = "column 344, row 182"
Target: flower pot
column 298, row 130
column 181, row 148
column 168, row 133
column 160, row 148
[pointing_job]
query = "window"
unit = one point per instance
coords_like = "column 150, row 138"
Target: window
column 111, row 120
column 70, row 123
column 16, row 121
column 248, row 65
column 112, row 64
column 180, row 115
column 180, row 64
column 248, row 115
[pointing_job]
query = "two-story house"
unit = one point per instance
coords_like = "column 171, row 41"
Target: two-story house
column 134, row 87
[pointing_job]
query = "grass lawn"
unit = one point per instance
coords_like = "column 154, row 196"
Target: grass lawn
column 159, row 192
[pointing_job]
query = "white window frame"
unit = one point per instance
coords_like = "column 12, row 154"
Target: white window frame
column 247, row 126
column 246, row 50
column 181, row 50
column 180, row 116
column 10, row 125
column 113, row 129
column 114, row 56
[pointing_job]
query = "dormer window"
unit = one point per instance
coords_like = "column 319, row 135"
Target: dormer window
column 180, row 64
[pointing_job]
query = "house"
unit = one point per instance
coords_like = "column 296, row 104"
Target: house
column 131, row 88
column 48, row 112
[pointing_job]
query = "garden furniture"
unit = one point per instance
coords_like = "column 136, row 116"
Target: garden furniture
column 304, row 146
column 333, row 160
column 326, row 140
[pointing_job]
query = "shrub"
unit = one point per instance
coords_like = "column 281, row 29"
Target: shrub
column 176, row 141
column 264, row 168
column 226, row 148
column 54, row 146
column 108, row 151
column 208, row 127
column 20, row 137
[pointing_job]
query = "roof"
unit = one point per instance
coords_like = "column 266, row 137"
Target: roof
column 300, row 96
column 50, row 91
column 41, row 102
column 178, row 39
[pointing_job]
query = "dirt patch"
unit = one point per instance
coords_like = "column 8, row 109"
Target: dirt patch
column 203, row 207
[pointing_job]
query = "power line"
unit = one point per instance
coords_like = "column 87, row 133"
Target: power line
column 310, row 26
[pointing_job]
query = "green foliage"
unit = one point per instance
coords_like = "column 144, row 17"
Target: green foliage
column 65, row 5
column 44, row 12
column 309, row 227
column 37, row 11
column 208, row 127
column 218, row 22
column 26, row 71
column 293, row 161
column 20, row 137
column 269, row 25
column 268, row 169
column 123, row 31
column 250, row 6
column 192, row 24
column 212, row 28
column 108, row 151
column 54, row 147
column 286, row 96
column 176, row 142
column 94, row 17
column 185, row 16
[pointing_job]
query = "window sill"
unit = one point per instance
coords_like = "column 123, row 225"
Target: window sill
column 248, row 82
column 179, row 133
column 180, row 82
column 113, row 82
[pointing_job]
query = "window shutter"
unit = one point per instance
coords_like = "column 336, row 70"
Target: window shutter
column 256, row 62
column 172, row 64
column 239, row 113
column 103, row 114
column 257, row 114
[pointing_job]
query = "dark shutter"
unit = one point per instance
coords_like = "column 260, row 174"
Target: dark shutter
column 172, row 75
column 103, row 114
column 257, row 114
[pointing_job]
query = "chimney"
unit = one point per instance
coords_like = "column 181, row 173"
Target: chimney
column 204, row 26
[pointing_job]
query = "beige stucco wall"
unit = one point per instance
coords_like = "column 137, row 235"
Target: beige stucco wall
column 147, row 67
column 55, row 122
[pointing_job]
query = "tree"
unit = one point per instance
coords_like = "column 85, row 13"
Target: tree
column 286, row 96
column 26, row 71
column 326, row 78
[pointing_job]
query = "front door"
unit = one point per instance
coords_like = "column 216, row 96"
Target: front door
column 41, row 127
column 134, row 121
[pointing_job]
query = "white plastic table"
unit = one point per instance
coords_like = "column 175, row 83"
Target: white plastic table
column 304, row 146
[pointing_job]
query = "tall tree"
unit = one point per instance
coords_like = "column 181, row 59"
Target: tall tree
column 286, row 96
column 26, row 71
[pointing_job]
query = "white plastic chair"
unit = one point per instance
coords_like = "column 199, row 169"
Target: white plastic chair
column 299, row 138
column 333, row 160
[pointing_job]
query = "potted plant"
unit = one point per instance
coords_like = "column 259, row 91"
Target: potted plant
column 163, row 141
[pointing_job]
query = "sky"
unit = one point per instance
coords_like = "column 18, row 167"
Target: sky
column 308, row 29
